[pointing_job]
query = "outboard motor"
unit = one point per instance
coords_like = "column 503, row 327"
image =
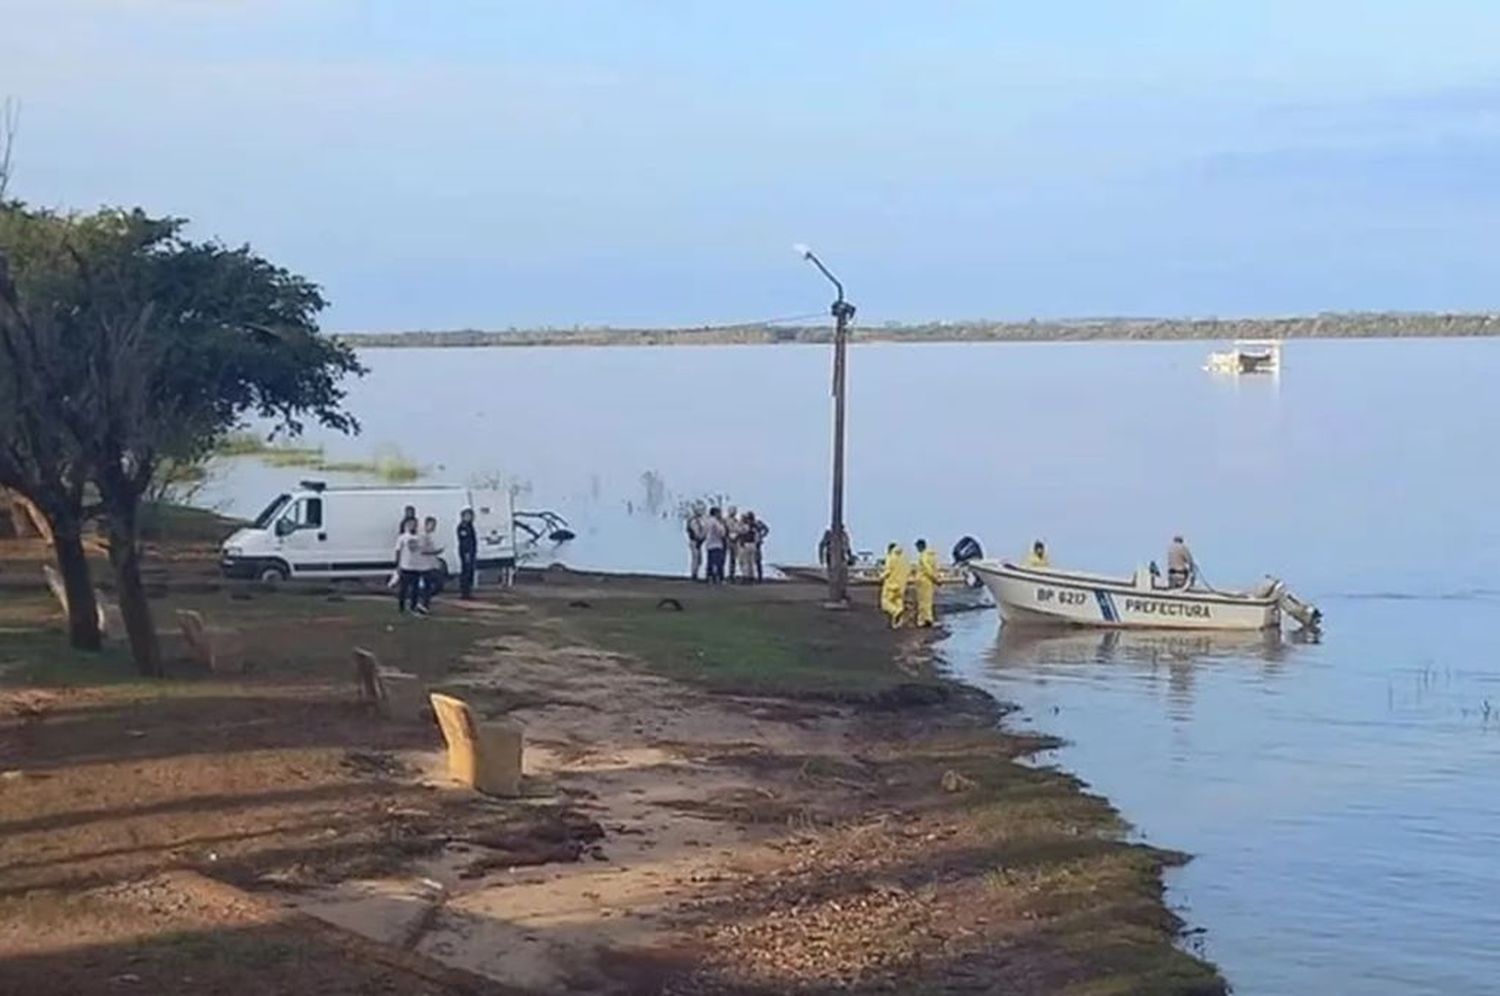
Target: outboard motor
column 967, row 549
column 1309, row 616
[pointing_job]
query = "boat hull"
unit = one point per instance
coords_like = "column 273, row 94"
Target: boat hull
column 1036, row 596
column 863, row 575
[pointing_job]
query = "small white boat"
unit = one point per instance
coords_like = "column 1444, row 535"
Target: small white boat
column 1050, row 596
column 866, row 571
column 1248, row 356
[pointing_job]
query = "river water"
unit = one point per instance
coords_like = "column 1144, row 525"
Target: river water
column 1340, row 797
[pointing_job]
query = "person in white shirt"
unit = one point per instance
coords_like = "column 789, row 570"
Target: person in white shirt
column 695, row 537
column 409, row 568
column 432, row 567
column 715, row 540
column 733, row 530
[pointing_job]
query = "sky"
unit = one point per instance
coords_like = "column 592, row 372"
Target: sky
column 487, row 164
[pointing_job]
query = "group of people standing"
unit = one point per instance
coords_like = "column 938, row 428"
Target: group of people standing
column 726, row 547
column 420, row 572
column 922, row 574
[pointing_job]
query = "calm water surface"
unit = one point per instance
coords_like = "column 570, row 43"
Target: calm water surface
column 1341, row 797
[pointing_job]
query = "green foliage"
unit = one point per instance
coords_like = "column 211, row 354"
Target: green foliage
column 128, row 349
column 154, row 346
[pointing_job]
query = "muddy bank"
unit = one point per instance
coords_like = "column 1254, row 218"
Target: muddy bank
column 790, row 801
column 726, row 791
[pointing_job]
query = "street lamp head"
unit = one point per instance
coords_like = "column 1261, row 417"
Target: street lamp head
column 803, row 249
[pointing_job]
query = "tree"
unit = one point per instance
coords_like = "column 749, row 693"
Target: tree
column 39, row 458
column 173, row 343
column 187, row 338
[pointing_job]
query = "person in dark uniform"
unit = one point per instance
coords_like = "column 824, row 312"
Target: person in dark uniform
column 468, row 553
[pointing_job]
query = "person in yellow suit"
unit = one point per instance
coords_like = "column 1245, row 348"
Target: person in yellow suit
column 894, row 574
column 1038, row 555
column 927, row 581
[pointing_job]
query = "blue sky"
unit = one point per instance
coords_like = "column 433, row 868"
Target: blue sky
column 489, row 164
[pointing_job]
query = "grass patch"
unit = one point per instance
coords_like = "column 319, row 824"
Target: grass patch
column 1060, row 858
column 390, row 465
column 241, row 951
column 40, row 656
column 293, row 456
column 280, row 453
column 787, row 649
column 298, row 635
column 392, row 468
column 290, row 635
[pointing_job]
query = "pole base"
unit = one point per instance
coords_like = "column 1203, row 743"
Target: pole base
column 837, row 606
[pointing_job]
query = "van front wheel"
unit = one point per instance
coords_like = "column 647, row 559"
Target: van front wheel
column 273, row 574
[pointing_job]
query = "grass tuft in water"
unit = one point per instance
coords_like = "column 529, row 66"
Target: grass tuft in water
column 390, row 465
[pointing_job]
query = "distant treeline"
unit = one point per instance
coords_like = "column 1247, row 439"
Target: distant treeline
column 1352, row 325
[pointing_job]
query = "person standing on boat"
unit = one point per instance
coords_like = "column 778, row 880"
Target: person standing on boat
column 1038, row 555
column 895, row 572
column 927, row 582
column 696, row 527
column 1181, row 568
column 715, row 538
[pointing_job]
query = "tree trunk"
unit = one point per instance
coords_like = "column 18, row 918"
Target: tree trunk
column 125, row 557
column 78, row 583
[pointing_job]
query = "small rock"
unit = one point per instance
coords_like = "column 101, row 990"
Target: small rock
column 955, row 782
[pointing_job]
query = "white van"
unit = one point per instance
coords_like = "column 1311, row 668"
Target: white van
column 319, row 531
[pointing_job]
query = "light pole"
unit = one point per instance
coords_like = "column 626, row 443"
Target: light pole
column 838, row 556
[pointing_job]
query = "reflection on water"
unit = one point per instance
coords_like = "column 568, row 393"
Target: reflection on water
column 1169, row 657
column 1339, row 797
column 1149, row 647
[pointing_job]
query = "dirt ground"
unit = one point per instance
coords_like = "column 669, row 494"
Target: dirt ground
column 725, row 791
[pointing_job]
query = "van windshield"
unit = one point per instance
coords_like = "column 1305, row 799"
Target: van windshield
column 264, row 518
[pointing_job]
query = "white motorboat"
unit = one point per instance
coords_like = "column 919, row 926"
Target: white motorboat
column 1050, row 596
column 865, row 571
column 1247, row 356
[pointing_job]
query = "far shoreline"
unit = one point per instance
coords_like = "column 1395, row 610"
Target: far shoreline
column 1374, row 325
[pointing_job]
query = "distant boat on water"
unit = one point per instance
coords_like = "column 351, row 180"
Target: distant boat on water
column 1247, row 356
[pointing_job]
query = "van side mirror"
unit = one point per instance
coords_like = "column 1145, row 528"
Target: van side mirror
column 285, row 527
